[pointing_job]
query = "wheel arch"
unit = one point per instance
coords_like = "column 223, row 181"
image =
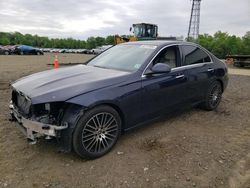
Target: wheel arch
column 73, row 112
column 221, row 83
column 115, row 107
column 77, row 137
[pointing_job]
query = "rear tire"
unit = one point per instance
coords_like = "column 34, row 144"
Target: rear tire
column 96, row 132
column 213, row 96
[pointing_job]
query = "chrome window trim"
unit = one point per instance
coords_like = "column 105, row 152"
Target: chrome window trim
column 181, row 67
column 191, row 66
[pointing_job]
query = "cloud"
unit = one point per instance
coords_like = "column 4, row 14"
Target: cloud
column 84, row 18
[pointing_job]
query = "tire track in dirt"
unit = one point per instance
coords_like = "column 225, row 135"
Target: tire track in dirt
column 240, row 175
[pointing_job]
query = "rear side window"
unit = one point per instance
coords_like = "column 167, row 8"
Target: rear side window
column 194, row 55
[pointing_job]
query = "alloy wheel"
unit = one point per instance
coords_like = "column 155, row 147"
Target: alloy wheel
column 215, row 95
column 100, row 132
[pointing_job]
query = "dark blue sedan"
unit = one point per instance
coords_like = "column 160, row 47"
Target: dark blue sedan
column 27, row 50
column 87, row 107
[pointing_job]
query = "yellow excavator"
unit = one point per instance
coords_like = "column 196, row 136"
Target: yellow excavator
column 142, row 31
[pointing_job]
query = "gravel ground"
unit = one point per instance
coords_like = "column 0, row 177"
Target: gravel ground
column 194, row 148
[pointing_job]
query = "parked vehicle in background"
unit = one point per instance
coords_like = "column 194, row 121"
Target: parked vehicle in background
column 240, row 60
column 70, row 51
column 54, row 50
column 45, row 49
column 11, row 48
column 88, row 51
column 66, row 50
column 87, row 107
column 4, row 51
column 96, row 50
column 27, row 50
column 62, row 51
column 81, row 51
column 105, row 47
column 100, row 49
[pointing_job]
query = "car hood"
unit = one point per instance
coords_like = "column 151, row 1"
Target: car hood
column 65, row 83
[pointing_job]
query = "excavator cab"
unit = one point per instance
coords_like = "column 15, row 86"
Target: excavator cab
column 142, row 31
column 145, row 31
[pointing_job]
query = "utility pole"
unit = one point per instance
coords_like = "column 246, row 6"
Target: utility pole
column 194, row 23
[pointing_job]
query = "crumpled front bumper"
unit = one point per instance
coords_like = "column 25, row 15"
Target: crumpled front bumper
column 33, row 129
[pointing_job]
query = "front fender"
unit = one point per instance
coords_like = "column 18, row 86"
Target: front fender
column 94, row 98
column 71, row 115
column 125, row 98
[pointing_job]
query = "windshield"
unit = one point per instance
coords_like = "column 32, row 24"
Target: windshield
column 127, row 57
column 139, row 30
column 146, row 30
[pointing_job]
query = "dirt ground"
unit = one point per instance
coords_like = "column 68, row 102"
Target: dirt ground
column 239, row 70
column 194, row 148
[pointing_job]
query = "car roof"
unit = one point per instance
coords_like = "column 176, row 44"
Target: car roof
column 157, row 42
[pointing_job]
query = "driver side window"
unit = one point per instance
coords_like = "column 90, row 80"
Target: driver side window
column 168, row 56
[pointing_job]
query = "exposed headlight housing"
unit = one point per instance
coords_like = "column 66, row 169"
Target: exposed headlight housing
column 48, row 113
column 22, row 102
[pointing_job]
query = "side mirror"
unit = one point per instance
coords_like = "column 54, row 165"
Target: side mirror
column 159, row 68
column 130, row 29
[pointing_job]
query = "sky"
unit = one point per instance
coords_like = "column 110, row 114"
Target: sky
column 81, row 19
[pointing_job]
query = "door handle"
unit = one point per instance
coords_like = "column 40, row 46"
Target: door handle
column 210, row 70
column 179, row 76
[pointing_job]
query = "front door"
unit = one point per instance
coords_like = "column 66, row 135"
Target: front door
column 164, row 92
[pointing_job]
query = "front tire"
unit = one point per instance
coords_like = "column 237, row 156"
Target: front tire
column 213, row 96
column 96, row 132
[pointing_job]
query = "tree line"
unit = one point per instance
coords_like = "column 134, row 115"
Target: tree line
column 220, row 44
column 7, row 38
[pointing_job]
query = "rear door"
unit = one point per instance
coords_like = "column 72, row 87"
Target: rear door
column 199, row 67
column 164, row 92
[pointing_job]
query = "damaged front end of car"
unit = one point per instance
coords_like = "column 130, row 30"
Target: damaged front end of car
column 38, row 120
